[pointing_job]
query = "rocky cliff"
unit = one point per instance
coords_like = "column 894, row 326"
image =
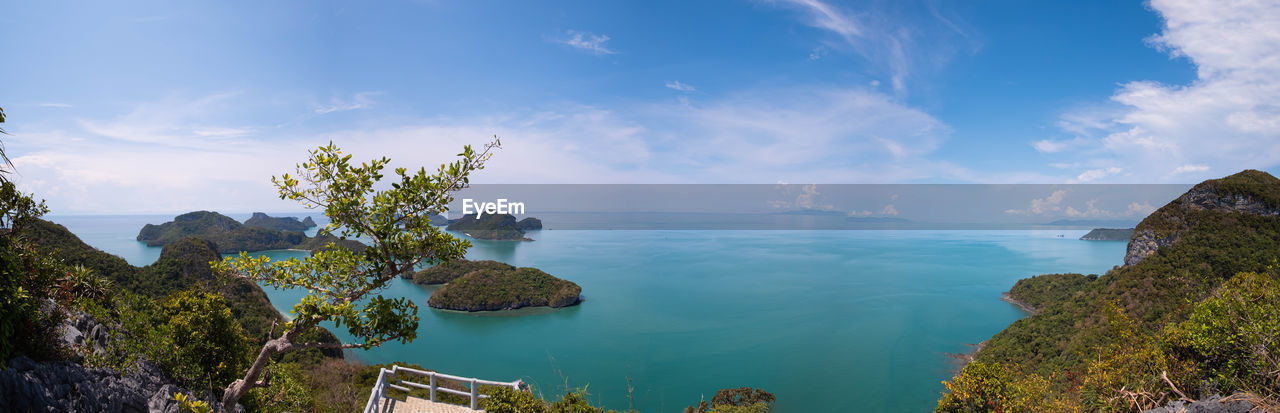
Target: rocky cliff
column 1247, row 192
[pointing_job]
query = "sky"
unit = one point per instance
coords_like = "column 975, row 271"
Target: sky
column 157, row 107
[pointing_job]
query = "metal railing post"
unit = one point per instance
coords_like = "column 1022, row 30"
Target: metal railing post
column 433, row 386
column 475, row 394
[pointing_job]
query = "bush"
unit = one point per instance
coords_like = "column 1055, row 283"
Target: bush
column 508, row 400
column 737, row 400
column 1235, row 335
column 203, row 345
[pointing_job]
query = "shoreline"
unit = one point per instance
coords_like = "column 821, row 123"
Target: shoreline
column 1008, row 298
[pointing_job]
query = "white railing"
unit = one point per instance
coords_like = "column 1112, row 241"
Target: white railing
column 391, row 378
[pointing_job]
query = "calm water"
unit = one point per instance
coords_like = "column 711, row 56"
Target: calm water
column 826, row 320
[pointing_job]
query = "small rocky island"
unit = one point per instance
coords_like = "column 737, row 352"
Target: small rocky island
column 500, row 227
column 230, row 236
column 1108, row 234
column 492, row 285
column 262, row 220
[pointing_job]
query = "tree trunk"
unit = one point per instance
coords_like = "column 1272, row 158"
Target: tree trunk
column 239, row 388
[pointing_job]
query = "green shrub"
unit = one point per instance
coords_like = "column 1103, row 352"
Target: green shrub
column 203, row 345
column 508, row 400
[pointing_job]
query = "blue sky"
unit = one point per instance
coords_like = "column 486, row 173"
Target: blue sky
column 174, row 106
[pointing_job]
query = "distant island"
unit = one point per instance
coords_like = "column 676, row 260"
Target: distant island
column 500, row 227
column 492, row 285
column 230, row 236
column 262, row 220
column 1108, row 234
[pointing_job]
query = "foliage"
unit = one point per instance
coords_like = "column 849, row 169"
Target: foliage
column 205, row 345
column 736, row 400
column 1193, row 319
column 982, row 387
column 190, row 404
column 27, row 279
column 338, row 280
column 1049, row 288
column 574, row 402
column 508, row 400
column 1234, row 336
column 451, row 270
column 492, row 289
column 288, row 392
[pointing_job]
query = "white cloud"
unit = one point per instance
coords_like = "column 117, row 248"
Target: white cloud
column 889, row 210
column 676, row 85
column 588, row 42
column 1190, row 168
column 819, row 52
column 1225, row 120
column 176, row 154
column 361, row 100
column 1142, row 209
column 1038, row 206
column 1095, row 174
column 1049, row 146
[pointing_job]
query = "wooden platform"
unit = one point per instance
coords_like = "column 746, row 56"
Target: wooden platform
column 416, row 405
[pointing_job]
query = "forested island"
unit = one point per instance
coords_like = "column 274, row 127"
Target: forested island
column 262, row 220
column 1108, row 234
column 491, row 285
column 1190, row 315
column 259, row 233
column 500, row 227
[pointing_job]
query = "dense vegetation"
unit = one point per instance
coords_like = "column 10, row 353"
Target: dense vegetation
column 491, row 285
column 501, row 227
column 1191, row 319
column 262, row 220
column 230, row 236
column 450, row 271
column 1108, row 234
column 530, row 224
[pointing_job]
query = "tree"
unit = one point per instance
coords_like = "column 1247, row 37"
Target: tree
column 396, row 222
column 4, row 159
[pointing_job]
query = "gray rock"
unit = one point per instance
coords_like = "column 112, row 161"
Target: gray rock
column 1211, row 404
column 1145, row 242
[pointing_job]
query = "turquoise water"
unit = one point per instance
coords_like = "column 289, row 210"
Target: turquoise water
column 826, row 320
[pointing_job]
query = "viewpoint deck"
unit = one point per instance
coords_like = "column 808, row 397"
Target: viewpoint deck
column 416, row 405
column 437, row 383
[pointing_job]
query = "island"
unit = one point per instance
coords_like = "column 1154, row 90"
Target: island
column 262, row 220
column 498, row 227
column 230, row 236
column 1108, row 234
column 492, row 285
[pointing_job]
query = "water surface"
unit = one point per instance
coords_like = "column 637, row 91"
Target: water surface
column 826, row 320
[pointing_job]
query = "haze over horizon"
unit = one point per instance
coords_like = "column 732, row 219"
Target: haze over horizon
column 163, row 107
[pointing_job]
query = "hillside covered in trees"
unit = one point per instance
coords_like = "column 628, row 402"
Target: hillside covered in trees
column 1194, row 312
column 491, row 285
column 259, row 233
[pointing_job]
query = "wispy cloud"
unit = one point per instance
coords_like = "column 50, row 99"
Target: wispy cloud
column 587, row 42
column 885, row 38
column 676, row 85
column 360, row 100
column 54, row 105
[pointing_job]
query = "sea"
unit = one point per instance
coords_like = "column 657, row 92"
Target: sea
column 826, row 320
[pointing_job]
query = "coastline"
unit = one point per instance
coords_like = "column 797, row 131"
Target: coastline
column 1008, row 298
